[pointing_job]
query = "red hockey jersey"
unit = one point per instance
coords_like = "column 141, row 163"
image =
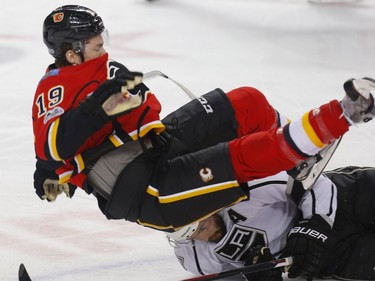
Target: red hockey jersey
column 63, row 132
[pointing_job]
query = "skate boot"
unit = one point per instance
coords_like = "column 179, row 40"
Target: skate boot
column 358, row 103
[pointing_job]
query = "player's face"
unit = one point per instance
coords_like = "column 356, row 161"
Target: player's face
column 211, row 229
column 94, row 48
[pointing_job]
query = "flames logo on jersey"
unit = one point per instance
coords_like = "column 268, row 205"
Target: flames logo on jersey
column 206, row 174
column 58, row 17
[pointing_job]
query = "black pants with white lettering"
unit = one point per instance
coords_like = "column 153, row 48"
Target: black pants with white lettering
column 203, row 122
column 192, row 179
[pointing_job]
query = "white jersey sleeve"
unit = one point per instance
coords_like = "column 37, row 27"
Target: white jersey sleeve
column 321, row 199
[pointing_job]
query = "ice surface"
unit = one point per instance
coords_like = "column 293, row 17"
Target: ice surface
column 297, row 53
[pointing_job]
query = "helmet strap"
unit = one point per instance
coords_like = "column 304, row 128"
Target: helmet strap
column 79, row 48
column 82, row 57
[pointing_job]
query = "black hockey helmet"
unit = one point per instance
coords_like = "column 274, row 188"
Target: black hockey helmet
column 70, row 24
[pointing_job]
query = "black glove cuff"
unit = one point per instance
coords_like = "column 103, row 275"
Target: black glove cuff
column 93, row 108
column 259, row 254
column 41, row 173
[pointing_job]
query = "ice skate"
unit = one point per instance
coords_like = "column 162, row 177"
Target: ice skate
column 358, row 103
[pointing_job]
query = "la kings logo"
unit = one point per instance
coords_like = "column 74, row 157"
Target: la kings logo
column 235, row 245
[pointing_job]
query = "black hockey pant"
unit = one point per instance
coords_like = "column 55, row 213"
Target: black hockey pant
column 353, row 258
column 168, row 189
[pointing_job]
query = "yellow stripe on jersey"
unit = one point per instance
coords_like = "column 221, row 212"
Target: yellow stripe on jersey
column 154, row 225
column 115, row 140
column 52, row 132
column 191, row 193
column 156, row 125
column 153, row 191
column 80, row 163
column 310, row 131
column 176, row 228
column 65, row 177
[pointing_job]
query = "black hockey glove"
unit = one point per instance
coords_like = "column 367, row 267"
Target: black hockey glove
column 309, row 242
column 47, row 186
column 259, row 255
column 112, row 98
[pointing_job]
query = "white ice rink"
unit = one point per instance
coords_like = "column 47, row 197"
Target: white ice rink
column 298, row 54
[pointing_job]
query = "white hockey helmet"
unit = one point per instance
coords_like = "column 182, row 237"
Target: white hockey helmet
column 184, row 232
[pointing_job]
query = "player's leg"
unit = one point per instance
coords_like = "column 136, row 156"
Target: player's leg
column 189, row 188
column 189, row 182
column 193, row 180
column 253, row 111
column 203, row 122
column 352, row 258
column 195, row 185
column 355, row 254
column 359, row 264
column 217, row 117
column 265, row 153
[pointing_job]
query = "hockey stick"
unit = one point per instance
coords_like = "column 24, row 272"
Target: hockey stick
column 124, row 101
column 245, row 270
column 22, row 273
column 311, row 168
column 157, row 73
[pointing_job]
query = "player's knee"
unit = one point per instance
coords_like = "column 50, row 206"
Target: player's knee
column 252, row 110
column 245, row 96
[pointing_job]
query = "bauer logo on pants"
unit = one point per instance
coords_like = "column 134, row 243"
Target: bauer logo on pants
column 206, row 174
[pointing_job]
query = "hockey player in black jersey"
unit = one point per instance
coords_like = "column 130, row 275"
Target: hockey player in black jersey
column 329, row 230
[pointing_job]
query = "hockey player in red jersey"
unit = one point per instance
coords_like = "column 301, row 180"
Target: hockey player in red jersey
column 328, row 230
column 97, row 126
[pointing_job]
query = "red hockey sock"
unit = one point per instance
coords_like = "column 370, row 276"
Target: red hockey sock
column 328, row 121
column 260, row 155
column 265, row 153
